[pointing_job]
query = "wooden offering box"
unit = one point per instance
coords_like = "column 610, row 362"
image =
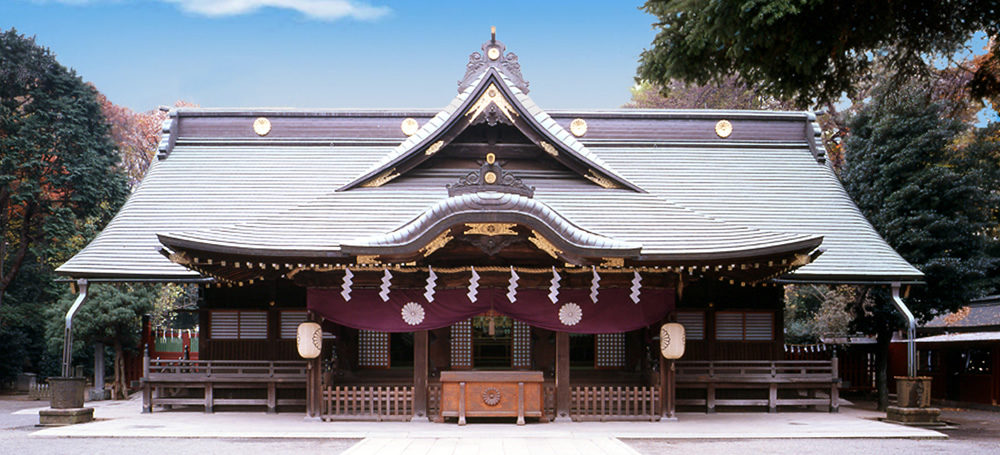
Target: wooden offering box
column 491, row 394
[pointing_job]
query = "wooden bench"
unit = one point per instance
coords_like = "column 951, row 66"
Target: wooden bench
column 209, row 375
column 808, row 375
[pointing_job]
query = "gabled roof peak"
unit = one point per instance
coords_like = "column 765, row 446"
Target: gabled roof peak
column 493, row 56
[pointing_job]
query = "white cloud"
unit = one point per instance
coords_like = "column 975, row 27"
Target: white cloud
column 316, row 9
column 328, row 10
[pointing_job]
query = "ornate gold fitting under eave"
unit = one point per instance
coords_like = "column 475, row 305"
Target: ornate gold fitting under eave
column 490, row 229
column 180, row 258
column 368, row 259
column 543, row 244
column 549, row 148
column 492, row 95
column 434, row 148
column 436, row 244
column 381, row 179
column 613, row 262
column 600, row 180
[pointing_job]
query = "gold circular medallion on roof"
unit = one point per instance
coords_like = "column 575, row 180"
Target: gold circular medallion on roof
column 578, row 127
column 409, row 126
column 493, row 53
column 491, row 158
column 723, row 128
column 490, row 177
column 261, row 126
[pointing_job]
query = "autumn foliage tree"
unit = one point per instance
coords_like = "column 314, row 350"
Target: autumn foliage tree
column 57, row 159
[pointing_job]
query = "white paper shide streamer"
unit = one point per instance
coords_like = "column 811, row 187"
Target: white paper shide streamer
column 431, row 282
column 473, row 286
column 346, row 287
column 554, row 287
column 594, row 283
column 386, row 280
column 636, row 286
column 512, row 288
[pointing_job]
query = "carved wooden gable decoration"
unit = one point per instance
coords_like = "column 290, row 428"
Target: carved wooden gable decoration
column 494, row 108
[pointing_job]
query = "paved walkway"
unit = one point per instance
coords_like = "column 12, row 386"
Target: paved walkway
column 123, row 419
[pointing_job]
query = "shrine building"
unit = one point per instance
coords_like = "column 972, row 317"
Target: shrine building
column 490, row 258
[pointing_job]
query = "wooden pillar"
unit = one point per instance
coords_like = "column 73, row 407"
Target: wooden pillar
column 562, row 377
column 420, row 344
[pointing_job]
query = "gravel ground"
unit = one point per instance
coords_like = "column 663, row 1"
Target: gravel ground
column 972, row 432
column 15, row 438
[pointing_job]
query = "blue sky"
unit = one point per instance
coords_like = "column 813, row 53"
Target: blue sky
column 334, row 53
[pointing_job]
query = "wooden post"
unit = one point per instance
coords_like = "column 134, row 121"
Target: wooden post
column 209, row 398
column 272, row 398
column 671, row 390
column 461, row 403
column 835, row 388
column 420, row 343
column 562, row 377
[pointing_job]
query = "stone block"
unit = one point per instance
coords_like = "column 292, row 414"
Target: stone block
column 913, row 392
column 908, row 416
column 60, row 417
column 67, row 393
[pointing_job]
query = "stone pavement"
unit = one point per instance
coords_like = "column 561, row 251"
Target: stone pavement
column 123, row 419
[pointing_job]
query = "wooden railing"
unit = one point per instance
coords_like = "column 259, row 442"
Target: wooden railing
column 368, row 403
column 807, row 376
column 614, row 403
column 205, row 369
column 177, row 382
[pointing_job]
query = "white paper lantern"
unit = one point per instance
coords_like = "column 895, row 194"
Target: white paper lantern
column 672, row 340
column 309, row 340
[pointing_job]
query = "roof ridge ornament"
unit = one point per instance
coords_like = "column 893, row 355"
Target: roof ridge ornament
column 490, row 177
column 493, row 56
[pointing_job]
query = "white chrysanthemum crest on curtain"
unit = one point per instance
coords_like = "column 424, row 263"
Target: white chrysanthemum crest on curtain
column 412, row 313
column 570, row 314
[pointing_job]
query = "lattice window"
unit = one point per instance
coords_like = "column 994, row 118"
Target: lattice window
column 759, row 326
column 290, row 320
column 610, row 350
column 238, row 325
column 521, row 351
column 461, row 344
column 744, row 326
column 373, row 349
column 694, row 324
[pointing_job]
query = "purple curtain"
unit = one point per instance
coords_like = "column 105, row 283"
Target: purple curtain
column 407, row 310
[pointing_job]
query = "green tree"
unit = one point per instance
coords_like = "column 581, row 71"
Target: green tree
column 902, row 171
column 112, row 315
column 58, row 186
column 813, row 51
column 57, row 161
